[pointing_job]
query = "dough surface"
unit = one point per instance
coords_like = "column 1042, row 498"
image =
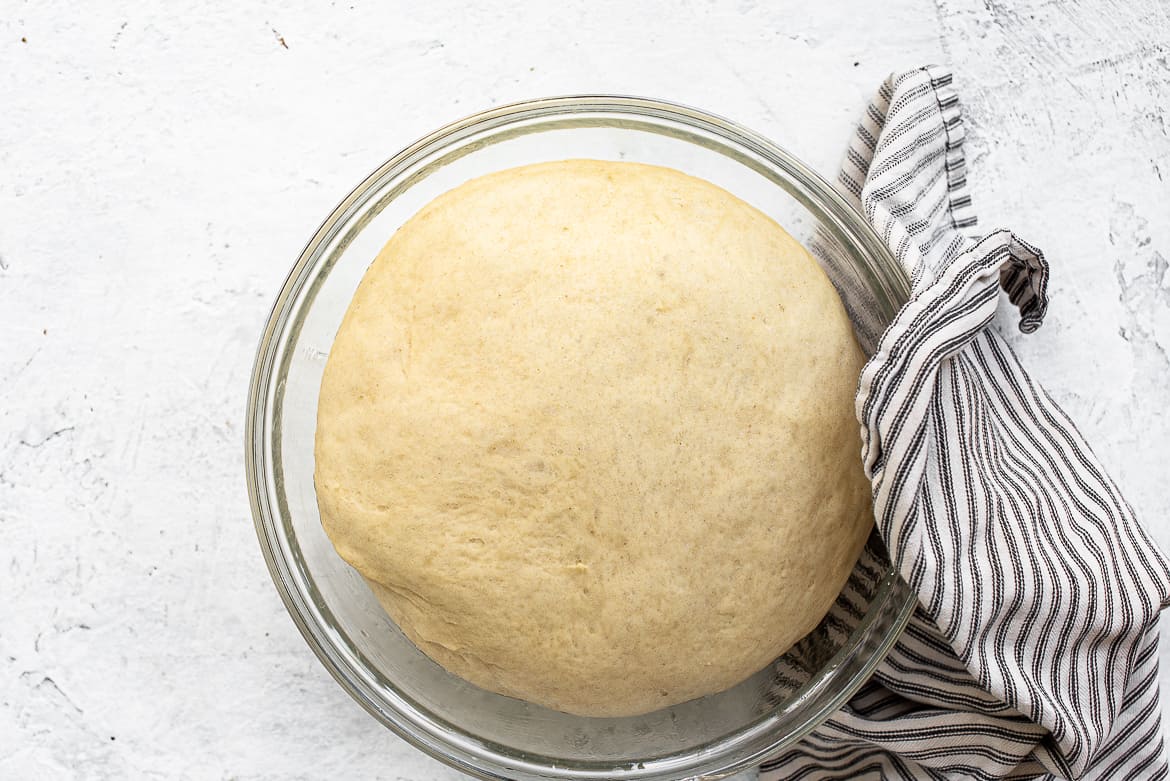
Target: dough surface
column 587, row 429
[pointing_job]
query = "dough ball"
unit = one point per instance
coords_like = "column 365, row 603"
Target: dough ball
column 587, row 430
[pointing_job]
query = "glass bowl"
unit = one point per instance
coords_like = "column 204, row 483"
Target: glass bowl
column 480, row 733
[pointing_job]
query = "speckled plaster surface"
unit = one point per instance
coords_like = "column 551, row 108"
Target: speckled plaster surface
column 161, row 167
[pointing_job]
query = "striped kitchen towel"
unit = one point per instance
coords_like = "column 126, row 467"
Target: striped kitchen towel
column 1034, row 649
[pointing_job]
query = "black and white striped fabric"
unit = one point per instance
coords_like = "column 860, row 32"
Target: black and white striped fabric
column 1033, row 652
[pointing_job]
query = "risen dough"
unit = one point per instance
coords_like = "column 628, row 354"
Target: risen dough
column 587, row 429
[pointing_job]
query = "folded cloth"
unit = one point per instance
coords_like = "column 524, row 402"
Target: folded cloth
column 1034, row 650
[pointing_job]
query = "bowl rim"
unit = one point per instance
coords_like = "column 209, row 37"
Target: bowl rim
column 425, row 734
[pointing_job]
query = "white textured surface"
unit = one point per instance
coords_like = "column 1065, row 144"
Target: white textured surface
column 160, row 172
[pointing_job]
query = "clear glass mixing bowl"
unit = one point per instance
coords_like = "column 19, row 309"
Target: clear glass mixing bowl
column 481, row 733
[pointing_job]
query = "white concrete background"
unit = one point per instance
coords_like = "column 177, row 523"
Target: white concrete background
column 162, row 166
